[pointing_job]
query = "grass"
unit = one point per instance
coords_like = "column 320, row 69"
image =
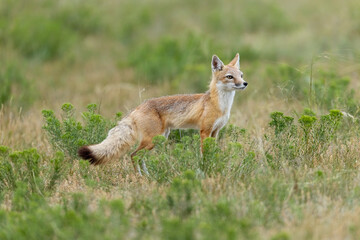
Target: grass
column 285, row 167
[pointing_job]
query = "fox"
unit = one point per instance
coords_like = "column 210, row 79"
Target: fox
column 207, row 112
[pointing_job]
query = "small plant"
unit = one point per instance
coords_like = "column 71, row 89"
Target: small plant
column 139, row 19
column 26, row 168
column 249, row 18
column 96, row 177
column 36, row 219
column 177, row 134
column 271, row 18
column 175, row 57
column 281, row 123
column 284, row 141
column 308, row 139
column 80, row 17
column 319, row 133
column 180, row 195
column 309, row 112
column 167, row 160
column 288, row 80
column 213, row 160
column 69, row 134
column 41, row 37
column 234, row 133
column 327, row 129
column 223, row 223
column 281, row 236
column 329, row 124
column 13, row 83
column 332, row 91
column 180, row 156
column 247, row 165
column 307, row 123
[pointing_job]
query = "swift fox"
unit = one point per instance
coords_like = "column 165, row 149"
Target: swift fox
column 208, row 112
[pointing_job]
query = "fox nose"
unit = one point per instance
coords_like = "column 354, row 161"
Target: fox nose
column 245, row 83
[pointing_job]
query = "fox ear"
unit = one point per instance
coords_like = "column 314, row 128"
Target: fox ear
column 216, row 64
column 236, row 61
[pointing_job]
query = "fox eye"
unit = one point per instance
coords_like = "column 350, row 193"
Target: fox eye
column 229, row 77
column 242, row 75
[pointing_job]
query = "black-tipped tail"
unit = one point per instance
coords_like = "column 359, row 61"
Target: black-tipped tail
column 85, row 153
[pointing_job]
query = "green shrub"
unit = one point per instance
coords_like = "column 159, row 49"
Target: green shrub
column 135, row 19
column 213, row 160
column 281, row 236
column 180, row 197
column 248, row 53
column 309, row 112
column 5, row 90
column 80, row 16
column 97, row 178
column 177, row 134
column 233, row 132
column 328, row 89
column 177, row 229
column 68, row 134
column 167, row 160
column 284, row 142
column 73, row 220
column 3, row 30
column 281, row 123
column 270, row 17
column 27, row 168
column 244, row 168
column 318, row 134
column 307, row 123
column 14, row 86
column 310, row 138
column 329, row 124
column 41, row 37
column 176, row 60
column 288, row 80
column 332, row 91
column 247, row 16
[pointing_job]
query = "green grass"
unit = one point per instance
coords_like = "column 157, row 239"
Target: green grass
column 68, row 135
column 285, row 167
column 40, row 37
column 257, row 187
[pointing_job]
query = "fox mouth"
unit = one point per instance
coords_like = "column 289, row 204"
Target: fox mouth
column 239, row 88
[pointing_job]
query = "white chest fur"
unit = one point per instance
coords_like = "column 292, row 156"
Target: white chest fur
column 226, row 99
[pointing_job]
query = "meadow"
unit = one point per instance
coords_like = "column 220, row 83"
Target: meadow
column 286, row 166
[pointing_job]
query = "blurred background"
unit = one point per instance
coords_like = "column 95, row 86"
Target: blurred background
column 294, row 54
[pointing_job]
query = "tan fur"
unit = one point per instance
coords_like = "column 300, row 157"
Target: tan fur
column 207, row 112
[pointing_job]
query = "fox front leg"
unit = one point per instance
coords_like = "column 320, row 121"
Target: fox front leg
column 203, row 134
column 215, row 133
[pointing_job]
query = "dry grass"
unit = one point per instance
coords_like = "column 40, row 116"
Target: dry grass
column 316, row 199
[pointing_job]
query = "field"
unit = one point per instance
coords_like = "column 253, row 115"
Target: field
column 286, row 166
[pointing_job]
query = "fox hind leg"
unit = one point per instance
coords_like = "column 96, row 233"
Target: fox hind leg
column 148, row 145
column 143, row 165
column 136, row 165
column 148, row 128
column 166, row 133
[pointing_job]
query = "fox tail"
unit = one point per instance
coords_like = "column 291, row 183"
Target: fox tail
column 118, row 141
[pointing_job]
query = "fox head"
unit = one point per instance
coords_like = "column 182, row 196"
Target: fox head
column 228, row 77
